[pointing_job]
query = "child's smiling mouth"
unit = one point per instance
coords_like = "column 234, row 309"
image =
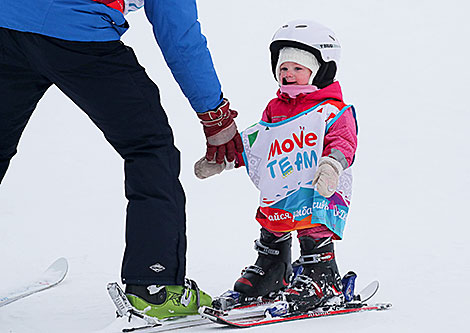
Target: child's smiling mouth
column 285, row 82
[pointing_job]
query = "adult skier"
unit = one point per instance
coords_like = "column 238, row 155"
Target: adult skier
column 75, row 45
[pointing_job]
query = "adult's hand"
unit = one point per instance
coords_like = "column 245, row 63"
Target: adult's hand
column 222, row 137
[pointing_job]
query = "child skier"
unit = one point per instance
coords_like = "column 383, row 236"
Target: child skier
column 299, row 156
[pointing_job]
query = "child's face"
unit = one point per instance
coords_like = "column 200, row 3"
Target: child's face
column 293, row 73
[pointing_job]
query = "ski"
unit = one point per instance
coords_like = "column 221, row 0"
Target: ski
column 279, row 311
column 238, row 313
column 51, row 277
column 260, row 319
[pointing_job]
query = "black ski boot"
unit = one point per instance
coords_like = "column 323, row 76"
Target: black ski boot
column 272, row 270
column 319, row 281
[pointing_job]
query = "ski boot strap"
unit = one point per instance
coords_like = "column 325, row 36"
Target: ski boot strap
column 265, row 249
column 316, row 258
column 187, row 292
column 254, row 269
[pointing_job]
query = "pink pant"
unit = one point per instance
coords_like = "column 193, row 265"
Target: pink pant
column 315, row 232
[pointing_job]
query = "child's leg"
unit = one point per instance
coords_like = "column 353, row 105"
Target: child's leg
column 272, row 269
column 320, row 279
column 276, row 233
column 316, row 233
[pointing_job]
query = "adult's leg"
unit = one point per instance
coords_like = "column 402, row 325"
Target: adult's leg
column 21, row 87
column 106, row 81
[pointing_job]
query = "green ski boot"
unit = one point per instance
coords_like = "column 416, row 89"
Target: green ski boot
column 168, row 301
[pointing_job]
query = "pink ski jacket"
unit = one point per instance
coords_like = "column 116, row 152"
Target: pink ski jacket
column 341, row 136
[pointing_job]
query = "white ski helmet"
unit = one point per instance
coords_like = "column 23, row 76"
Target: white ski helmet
column 314, row 38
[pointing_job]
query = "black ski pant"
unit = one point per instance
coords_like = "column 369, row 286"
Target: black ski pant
column 105, row 80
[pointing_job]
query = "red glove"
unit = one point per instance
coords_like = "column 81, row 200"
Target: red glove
column 222, row 136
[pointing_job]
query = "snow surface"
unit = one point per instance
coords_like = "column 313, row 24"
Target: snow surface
column 404, row 67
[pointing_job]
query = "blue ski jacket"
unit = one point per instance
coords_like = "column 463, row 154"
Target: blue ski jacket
column 175, row 27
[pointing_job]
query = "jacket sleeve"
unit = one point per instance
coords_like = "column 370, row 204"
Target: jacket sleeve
column 341, row 139
column 184, row 47
column 266, row 117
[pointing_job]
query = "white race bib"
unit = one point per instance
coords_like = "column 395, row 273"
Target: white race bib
column 281, row 160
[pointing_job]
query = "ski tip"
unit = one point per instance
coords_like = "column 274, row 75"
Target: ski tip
column 374, row 284
column 369, row 291
column 60, row 266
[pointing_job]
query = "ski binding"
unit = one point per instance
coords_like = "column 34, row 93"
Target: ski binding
column 125, row 309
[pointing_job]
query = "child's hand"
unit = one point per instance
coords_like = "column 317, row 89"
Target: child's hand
column 205, row 169
column 327, row 176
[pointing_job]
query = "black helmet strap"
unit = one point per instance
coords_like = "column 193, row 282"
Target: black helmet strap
column 326, row 73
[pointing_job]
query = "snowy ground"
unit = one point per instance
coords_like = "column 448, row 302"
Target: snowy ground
column 404, row 67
